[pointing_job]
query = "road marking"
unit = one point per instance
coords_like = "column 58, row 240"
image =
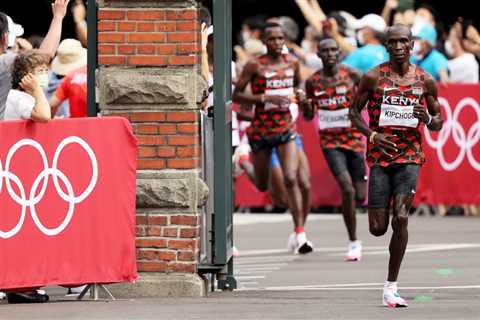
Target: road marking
column 245, row 219
column 371, row 250
column 249, row 277
column 353, row 288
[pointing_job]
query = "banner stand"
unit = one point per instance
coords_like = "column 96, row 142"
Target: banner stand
column 94, row 290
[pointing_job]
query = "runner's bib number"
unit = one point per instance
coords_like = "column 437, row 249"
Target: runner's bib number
column 397, row 116
column 329, row 119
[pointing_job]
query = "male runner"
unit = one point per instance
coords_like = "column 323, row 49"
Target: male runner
column 277, row 190
column 396, row 93
column 273, row 77
column 331, row 92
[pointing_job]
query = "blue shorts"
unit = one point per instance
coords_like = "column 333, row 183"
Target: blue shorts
column 275, row 162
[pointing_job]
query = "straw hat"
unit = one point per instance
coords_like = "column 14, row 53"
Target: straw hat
column 70, row 56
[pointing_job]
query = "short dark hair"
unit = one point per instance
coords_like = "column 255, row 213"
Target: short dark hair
column 3, row 23
column 24, row 63
column 269, row 25
column 255, row 22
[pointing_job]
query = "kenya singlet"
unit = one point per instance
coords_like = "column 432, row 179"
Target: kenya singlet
column 333, row 97
column 269, row 119
column 391, row 112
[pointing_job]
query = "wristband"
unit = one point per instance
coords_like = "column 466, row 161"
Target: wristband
column 262, row 98
column 430, row 118
column 372, row 136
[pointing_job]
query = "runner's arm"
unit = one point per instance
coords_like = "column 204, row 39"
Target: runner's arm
column 364, row 93
column 365, row 90
column 307, row 106
column 434, row 123
column 239, row 94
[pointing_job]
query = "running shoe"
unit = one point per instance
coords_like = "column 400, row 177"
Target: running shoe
column 242, row 152
column 292, row 242
column 303, row 245
column 354, row 251
column 235, row 252
column 392, row 299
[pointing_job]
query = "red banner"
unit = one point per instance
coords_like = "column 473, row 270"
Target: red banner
column 452, row 172
column 450, row 176
column 67, row 199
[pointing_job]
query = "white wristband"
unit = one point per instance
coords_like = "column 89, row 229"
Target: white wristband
column 430, row 118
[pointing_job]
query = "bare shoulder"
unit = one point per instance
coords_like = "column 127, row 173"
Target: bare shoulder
column 370, row 78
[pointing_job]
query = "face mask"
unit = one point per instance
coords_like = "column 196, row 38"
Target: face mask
column 245, row 36
column 417, row 48
column 449, row 48
column 360, row 38
column 42, row 79
column 306, row 46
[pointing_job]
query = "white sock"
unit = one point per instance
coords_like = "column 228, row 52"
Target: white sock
column 390, row 286
column 356, row 243
column 301, row 238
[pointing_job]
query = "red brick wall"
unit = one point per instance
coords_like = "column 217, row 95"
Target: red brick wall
column 167, row 140
column 166, row 242
column 143, row 37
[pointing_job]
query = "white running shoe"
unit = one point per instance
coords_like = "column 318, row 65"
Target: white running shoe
column 235, row 252
column 354, row 251
column 292, row 242
column 392, row 299
column 303, row 245
column 242, row 150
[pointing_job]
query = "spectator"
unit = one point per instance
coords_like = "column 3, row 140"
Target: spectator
column 49, row 46
column 74, row 88
column 70, row 56
column 463, row 67
column 426, row 56
column 370, row 35
column 252, row 28
column 27, row 100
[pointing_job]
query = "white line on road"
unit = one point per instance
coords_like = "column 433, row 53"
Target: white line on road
column 240, row 219
column 380, row 287
column 240, row 278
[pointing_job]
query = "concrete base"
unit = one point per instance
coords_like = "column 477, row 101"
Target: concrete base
column 160, row 285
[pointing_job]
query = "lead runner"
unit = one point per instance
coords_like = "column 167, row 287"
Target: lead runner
column 396, row 92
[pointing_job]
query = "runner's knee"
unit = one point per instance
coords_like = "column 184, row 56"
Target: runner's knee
column 290, row 179
column 378, row 231
column 348, row 191
column 400, row 222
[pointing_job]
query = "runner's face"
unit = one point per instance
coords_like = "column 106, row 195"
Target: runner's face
column 399, row 44
column 328, row 51
column 274, row 40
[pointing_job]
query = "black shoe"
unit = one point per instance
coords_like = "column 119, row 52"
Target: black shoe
column 23, row 297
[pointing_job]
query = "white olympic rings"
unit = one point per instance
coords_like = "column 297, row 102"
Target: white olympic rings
column 465, row 141
column 35, row 198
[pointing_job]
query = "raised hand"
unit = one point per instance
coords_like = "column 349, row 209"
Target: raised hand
column 59, row 8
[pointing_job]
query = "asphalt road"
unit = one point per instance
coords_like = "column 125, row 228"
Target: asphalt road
column 440, row 277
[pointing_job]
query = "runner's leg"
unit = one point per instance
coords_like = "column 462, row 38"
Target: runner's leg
column 304, row 183
column 261, row 166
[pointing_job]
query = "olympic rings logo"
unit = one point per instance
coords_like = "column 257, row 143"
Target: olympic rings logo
column 34, row 198
column 466, row 141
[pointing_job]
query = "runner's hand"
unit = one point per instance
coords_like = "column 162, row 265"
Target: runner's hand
column 420, row 114
column 384, row 142
column 277, row 100
column 59, row 8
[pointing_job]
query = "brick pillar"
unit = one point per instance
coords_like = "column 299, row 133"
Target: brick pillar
column 149, row 73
